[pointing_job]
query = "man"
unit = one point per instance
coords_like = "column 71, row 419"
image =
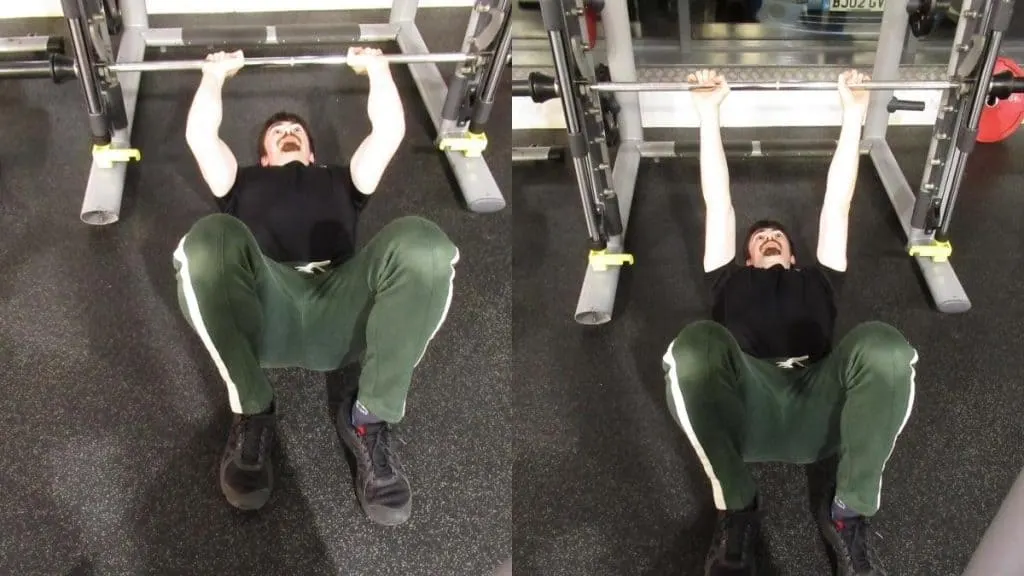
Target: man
column 762, row 380
column 275, row 280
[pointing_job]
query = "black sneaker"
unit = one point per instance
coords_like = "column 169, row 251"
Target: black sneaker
column 246, row 474
column 383, row 491
column 849, row 544
column 734, row 548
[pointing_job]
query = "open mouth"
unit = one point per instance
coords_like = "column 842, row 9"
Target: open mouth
column 771, row 250
column 290, row 145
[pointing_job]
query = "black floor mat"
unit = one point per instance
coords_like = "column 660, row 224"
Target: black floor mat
column 615, row 487
column 114, row 415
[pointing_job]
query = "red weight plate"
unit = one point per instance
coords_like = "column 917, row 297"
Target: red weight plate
column 999, row 122
column 591, row 17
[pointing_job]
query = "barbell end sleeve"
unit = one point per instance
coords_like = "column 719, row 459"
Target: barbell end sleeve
column 542, row 87
column 896, row 105
column 1005, row 84
column 55, row 45
column 62, row 68
column 521, row 89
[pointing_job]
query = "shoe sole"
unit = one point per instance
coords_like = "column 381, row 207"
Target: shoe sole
column 386, row 516
column 248, row 501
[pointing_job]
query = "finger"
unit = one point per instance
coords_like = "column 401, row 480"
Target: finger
column 691, row 78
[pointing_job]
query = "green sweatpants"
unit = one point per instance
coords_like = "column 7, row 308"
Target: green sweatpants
column 737, row 409
column 381, row 308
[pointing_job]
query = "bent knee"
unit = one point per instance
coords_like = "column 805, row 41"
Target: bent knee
column 701, row 350
column 701, row 336
column 409, row 231
column 882, row 341
column 213, row 227
column 208, row 242
column 421, row 248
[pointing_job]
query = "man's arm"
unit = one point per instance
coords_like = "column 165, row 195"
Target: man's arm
column 720, row 217
column 834, row 223
column 387, row 121
column 216, row 161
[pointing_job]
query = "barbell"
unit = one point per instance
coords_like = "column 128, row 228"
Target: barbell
column 59, row 67
column 287, row 61
column 1000, row 119
column 542, row 87
column 777, row 85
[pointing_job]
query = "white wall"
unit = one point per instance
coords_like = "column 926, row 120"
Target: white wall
column 51, row 8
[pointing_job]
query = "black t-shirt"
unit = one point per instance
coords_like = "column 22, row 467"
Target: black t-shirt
column 777, row 313
column 298, row 213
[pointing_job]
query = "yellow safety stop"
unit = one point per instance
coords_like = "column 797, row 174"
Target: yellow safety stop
column 601, row 260
column 105, row 156
column 937, row 251
column 469, row 144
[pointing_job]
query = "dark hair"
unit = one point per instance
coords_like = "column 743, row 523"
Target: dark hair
column 767, row 225
column 282, row 116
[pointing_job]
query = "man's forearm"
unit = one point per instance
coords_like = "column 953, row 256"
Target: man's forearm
column 207, row 111
column 384, row 105
column 842, row 173
column 714, row 170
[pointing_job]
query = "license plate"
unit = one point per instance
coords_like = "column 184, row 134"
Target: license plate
column 855, row 5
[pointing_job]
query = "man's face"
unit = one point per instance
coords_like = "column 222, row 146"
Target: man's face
column 768, row 247
column 286, row 142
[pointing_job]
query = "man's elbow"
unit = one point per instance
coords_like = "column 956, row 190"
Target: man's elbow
column 389, row 130
column 196, row 137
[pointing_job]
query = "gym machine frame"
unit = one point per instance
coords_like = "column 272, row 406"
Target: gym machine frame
column 111, row 86
column 607, row 189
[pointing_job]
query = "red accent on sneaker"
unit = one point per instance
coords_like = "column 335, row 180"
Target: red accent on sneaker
column 361, row 430
column 840, row 525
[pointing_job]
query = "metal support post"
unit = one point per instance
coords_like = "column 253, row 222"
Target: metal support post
column 597, row 296
column 891, row 42
column 554, row 14
column 462, row 83
column 492, row 77
column 944, row 286
column 85, row 60
column 998, row 21
column 479, row 189
column 1000, row 552
column 471, row 90
column 105, row 188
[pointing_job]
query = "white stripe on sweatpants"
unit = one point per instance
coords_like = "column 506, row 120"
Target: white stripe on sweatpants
column 197, row 322
column 678, row 407
column 444, row 313
column 906, row 417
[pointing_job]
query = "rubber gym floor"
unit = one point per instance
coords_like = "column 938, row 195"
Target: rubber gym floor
column 615, row 487
column 114, row 415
